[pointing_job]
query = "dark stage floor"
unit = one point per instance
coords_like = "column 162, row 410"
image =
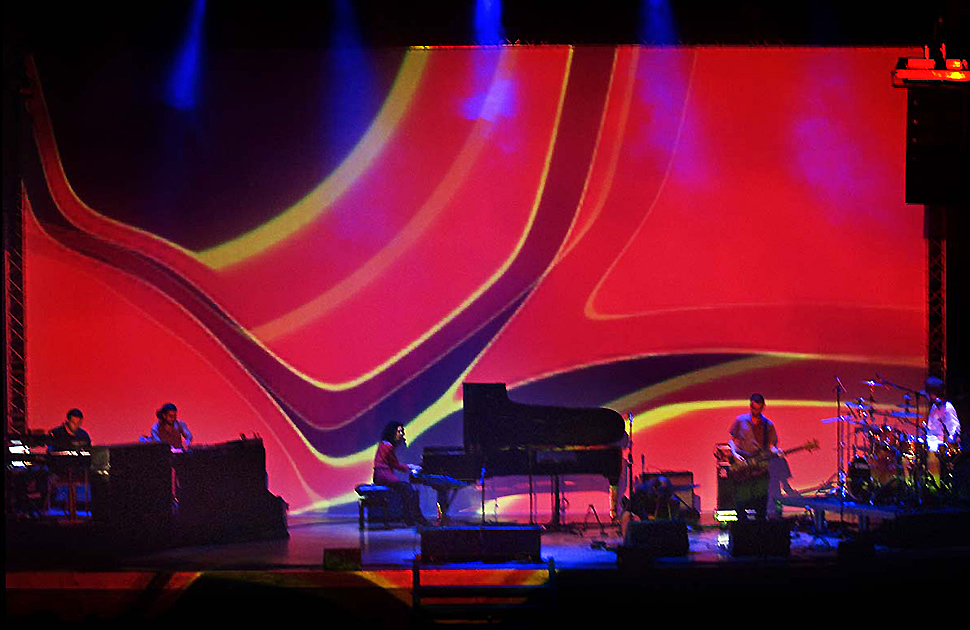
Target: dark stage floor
column 579, row 578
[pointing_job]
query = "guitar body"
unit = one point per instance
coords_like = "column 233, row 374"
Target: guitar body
column 748, row 470
column 756, row 466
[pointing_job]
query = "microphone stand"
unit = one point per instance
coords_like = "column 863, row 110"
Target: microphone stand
column 629, row 461
column 840, row 438
column 482, row 480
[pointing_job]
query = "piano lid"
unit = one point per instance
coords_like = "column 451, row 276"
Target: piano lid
column 493, row 422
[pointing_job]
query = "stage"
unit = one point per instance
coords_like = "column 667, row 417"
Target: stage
column 578, row 577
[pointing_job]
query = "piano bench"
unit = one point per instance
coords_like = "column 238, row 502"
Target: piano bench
column 372, row 496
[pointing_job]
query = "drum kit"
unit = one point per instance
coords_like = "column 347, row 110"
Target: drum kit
column 891, row 462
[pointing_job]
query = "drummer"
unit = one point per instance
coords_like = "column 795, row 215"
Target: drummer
column 942, row 424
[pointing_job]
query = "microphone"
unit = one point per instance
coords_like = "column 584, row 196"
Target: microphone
column 839, row 381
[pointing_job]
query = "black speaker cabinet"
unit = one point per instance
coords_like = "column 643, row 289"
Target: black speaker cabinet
column 659, row 539
column 481, row 544
column 725, row 490
column 760, row 538
column 132, row 488
column 936, row 145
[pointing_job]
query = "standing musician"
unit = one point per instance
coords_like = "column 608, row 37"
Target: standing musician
column 169, row 428
column 943, row 439
column 386, row 463
column 942, row 423
column 753, row 437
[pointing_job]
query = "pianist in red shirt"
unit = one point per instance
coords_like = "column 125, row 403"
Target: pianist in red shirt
column 386, row 465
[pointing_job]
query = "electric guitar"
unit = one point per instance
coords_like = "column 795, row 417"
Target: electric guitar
column 757, row 465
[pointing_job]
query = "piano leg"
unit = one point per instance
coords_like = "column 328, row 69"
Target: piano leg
column 445, row 497
column 556, row 503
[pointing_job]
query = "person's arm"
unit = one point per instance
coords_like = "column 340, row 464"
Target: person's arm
column 773, row 440
column 952, row 421
column 154, row 436
column 734, row 430
column 393, row 462
column 186, row 434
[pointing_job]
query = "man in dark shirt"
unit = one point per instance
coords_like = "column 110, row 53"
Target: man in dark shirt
column 753, row 437
column 69, row 471
column 69, row 436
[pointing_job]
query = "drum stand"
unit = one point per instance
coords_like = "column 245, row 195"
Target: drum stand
column 840, row 432
column 921, row 450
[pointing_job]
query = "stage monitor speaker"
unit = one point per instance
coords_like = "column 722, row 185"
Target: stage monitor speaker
column 661, row 539
column 926, row 530
column 760, row 538
column 481, row 544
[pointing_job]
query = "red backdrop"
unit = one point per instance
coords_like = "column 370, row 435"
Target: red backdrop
column 660, row 231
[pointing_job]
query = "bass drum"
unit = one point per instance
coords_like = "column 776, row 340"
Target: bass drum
column 886, row 461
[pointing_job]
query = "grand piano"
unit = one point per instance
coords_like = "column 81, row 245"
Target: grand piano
column 503, row 438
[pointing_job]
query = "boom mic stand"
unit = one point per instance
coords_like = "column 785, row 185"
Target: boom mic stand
column 840, row 433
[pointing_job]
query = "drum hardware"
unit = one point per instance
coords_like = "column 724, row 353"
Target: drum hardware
column 860, row 479
column 884, row 452
column 842, row 418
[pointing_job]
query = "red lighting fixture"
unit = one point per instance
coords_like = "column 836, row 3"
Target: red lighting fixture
column 922, row 71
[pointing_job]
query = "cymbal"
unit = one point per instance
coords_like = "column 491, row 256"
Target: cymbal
column 904, row 406
column 844, row 418
column 908, row 415
column 871, row 383
column 858, row 406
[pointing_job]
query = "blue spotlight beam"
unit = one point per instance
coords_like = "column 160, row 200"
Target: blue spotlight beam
column 183, row 85
column 488, row 23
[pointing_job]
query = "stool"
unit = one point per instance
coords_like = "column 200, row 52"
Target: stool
column 371, row 496
column 72, row 478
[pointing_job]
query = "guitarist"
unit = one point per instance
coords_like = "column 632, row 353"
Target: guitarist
column 753, row 436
